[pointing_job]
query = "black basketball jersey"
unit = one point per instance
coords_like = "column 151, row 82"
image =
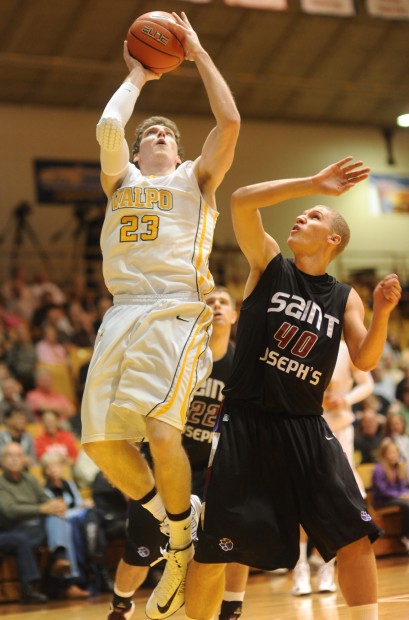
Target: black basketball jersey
column 203, row 411
column 288, row 338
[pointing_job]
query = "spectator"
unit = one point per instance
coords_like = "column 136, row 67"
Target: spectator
column 21, row 355
column 12, row 391
column 390, row 485
column 55, row 440
column 43, row 397
column 384, row 386
column 17, row 545
column 368, row 435
column 18, row 296
column 83, row 334
column 395, row 429
column 85, row 470
column 42, row 284
column 87, row 535
column 404, row 400
column 49, row 349
column 16, row 421
column 26, row 509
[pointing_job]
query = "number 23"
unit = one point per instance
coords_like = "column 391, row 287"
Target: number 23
column 130, row 226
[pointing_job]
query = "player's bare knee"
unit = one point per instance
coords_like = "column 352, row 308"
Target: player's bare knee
column 357, row 548
column 163, row 438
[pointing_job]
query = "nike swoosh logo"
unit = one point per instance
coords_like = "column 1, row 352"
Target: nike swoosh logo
column 166, row 607
column 180, row 318
column 329, row 438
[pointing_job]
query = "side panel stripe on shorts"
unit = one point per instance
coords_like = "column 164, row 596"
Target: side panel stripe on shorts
column 183, row 361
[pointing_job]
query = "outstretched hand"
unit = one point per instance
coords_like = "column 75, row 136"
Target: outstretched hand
column 387, row 293
column 339, row 177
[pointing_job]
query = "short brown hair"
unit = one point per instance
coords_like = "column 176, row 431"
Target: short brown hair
column 150, row 122
column 341, row 228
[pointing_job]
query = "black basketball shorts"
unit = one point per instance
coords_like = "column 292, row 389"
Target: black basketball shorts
column 270, row 474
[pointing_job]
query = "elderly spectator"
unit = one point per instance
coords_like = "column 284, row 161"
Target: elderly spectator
column 26, row 509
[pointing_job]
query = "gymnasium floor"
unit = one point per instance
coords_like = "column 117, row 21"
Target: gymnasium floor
column 268, row 598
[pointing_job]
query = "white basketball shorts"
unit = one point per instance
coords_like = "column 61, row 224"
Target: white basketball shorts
column 150, row 355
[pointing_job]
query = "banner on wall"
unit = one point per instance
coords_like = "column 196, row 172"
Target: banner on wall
column 389, row 9
column 340, row 8
column 68, row 182
column 388, row 194
column 271, row 5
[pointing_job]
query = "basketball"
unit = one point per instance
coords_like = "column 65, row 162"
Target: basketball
column 156, row 47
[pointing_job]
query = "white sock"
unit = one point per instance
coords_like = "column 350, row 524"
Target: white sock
column 364, row 612
column 234, row 596
column 156, row 507
column 180, row 533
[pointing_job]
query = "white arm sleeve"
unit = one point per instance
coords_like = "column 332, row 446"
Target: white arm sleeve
column 111, row 129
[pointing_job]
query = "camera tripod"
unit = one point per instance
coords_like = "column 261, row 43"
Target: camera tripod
column 22, row 228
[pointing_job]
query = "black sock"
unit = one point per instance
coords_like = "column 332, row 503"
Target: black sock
column 230, row 610
column 121, row 602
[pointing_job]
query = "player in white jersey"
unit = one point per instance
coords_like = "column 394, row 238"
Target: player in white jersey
column 151, row 350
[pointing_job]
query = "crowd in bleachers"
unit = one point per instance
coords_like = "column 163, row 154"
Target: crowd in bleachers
column 46, row 340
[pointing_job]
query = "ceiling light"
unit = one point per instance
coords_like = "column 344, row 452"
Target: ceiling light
column 403, row 120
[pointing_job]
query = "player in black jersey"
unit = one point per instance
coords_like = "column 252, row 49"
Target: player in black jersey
column 144, row 537
column 277, row 464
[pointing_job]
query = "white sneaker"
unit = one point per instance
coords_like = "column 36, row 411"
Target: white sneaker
column 169, row 594
column 195, row 508
column 301, row 579
column 325, row 575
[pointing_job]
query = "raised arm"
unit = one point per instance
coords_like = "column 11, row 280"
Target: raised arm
column 218, row 150
column 366, row 346
column 259, row 247
column 111, row 126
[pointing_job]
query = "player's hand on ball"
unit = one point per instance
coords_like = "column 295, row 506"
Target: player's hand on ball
column 132, row 63
column 188, row 37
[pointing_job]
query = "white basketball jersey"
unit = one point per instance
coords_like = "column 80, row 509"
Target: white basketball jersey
column 157, row 235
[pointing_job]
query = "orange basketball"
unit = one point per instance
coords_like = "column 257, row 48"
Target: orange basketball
column 156, row 47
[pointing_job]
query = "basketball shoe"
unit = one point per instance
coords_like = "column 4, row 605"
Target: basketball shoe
column 195, row 506
column 325, row 575
column 169, row 594
column 116, row 613
column 301, row 579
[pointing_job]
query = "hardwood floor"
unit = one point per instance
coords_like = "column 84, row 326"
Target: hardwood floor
column 268, row 597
